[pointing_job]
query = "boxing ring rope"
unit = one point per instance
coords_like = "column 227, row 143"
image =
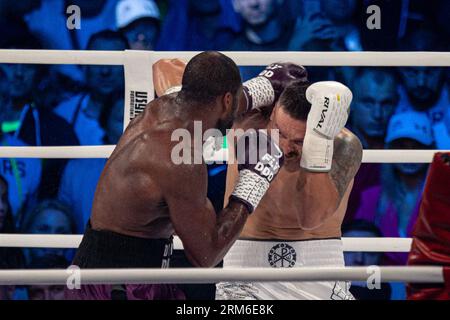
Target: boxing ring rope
column 138, row 78
column 242, row 58
column 73, row 241
column 138, row 75
column 420, row 274
column 73, row 152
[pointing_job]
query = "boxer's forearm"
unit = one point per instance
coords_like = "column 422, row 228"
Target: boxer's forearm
column 218, row 234
column 230, row 222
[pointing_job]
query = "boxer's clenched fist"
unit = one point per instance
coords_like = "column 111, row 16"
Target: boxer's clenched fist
column 259, row 161
column 167, row 73
column 266, row 88
column 330, row 107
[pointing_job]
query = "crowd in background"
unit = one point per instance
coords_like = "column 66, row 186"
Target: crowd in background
column 55, row 105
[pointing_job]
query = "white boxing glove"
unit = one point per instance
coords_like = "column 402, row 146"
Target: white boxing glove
column 330, row 107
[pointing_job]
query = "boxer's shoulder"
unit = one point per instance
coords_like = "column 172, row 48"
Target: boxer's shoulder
column 347, row 137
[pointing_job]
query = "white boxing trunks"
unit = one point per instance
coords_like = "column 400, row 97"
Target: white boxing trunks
column 284, row 254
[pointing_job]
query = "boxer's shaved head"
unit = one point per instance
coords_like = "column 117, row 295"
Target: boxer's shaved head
column 209, row 75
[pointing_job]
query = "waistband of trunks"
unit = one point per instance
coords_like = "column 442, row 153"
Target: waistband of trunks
column 106, row 249
column 279, row 253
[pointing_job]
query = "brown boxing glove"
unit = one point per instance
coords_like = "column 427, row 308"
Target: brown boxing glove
column 167, row 73
column 266, row 88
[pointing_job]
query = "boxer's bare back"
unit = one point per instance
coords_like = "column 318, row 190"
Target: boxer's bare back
column 143, row 193
column 129, row 199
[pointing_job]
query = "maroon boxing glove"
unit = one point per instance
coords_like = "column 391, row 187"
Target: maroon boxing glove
column 266, row 88
column 259, row 161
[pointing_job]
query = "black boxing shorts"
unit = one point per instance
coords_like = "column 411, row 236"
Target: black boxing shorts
column 106, row 249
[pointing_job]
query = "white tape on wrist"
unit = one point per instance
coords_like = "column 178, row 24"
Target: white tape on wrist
column 172, row 90
column 261, row 91
column 317, row 153
column 251, row 187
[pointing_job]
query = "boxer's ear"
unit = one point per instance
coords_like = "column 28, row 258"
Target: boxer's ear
column 227, row 103
column 272, row 114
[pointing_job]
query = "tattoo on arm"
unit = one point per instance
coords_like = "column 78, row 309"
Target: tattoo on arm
column 346, row 160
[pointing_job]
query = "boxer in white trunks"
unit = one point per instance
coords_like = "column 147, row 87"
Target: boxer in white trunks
column 298, row 221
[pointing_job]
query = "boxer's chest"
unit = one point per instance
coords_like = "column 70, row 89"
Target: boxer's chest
column 283, row 196
column 277, row 215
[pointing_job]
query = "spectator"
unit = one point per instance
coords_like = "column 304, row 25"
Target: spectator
column 199, row 25
column 441, row 129
column 265, row 28
column 53, row 86
column 111, row 119
column 23, row 175
column 423, row 87
column 47, row 292
column 6, row 218
column 83, row 111
column 10, row 258
column 139, row 21
column 12, row 10
column 327, row 25
column 96, row 15
column 393, row 205
column 441, row 132
column 394, row 16
column 439, row 13
column 48, row 217
column 6, row 292
column 362, row 228
column 80, row 177
column 341, row 14
column 28, row 119
column 375, row 99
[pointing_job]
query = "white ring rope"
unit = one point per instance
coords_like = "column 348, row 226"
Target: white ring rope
column 138, row 71
column 64, row 152
column 139, row 276
column 366, row 58
column 73, row 241
column 74, row 152
column 416, row 274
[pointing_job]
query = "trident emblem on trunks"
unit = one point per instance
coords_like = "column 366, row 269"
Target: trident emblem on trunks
column 282, row 255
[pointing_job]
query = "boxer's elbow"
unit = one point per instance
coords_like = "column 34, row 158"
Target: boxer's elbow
column 205, row 259
column 202, row 263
